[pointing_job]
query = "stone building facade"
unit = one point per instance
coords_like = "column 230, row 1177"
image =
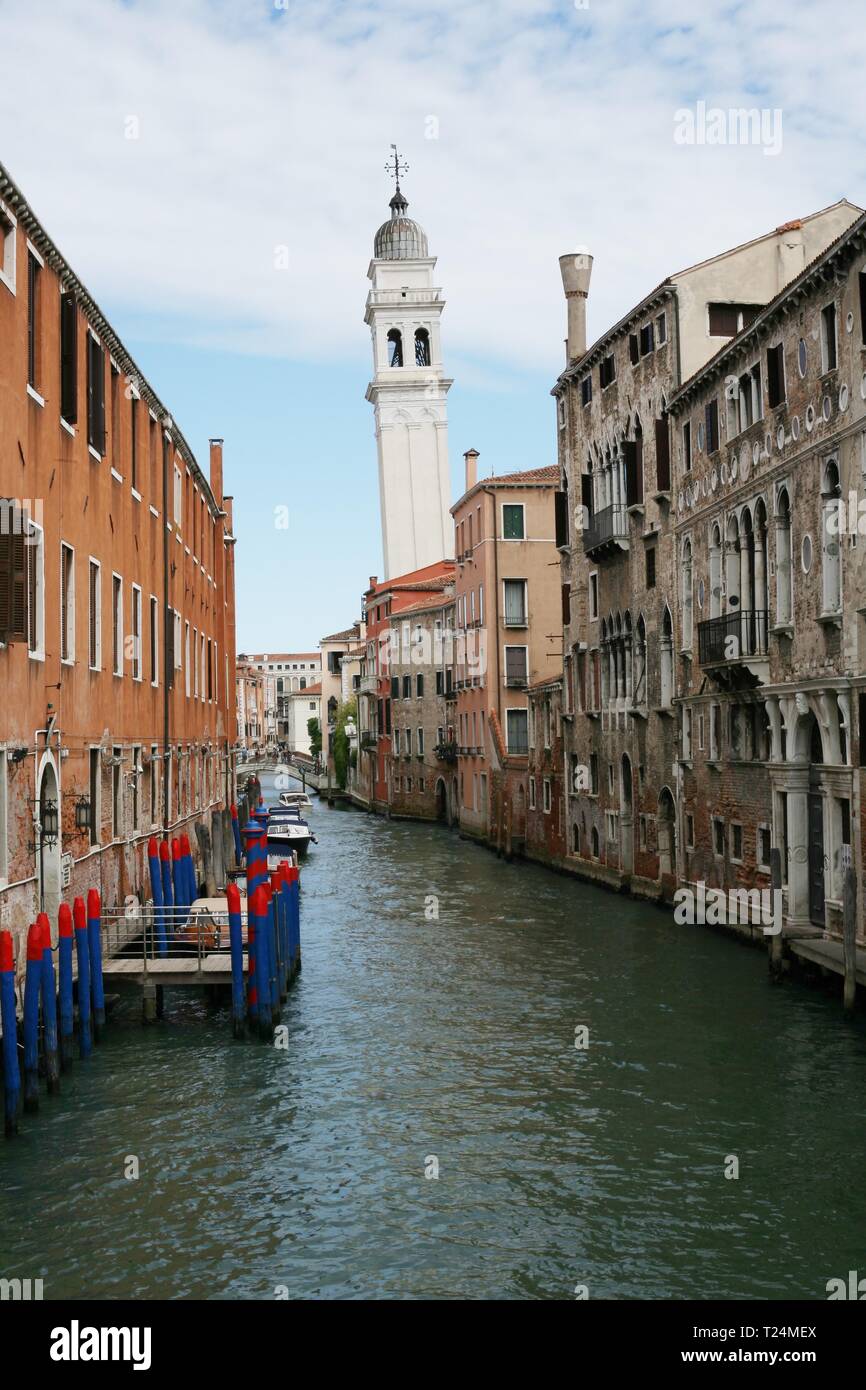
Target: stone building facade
column 622, row 663
column 117, row 617
column 771, row 596
column 546, row 838
column 421, row 666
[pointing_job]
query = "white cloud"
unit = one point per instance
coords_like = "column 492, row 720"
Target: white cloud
column 262, row 127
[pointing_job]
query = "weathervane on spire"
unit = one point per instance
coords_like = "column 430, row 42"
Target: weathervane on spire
column 396, row 166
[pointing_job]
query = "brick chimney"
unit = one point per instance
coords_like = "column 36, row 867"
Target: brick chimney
column 471, row 460
column 576, row 269
column 216, row 470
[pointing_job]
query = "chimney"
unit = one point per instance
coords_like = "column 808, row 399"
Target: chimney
column 471, row 460
column 575, row 269
column 374, row 580
column 216, row 470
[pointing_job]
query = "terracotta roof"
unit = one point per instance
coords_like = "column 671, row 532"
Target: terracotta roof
column 309, row 690
column 350, row 635
column 529, row 477
column 434, row 601
column 424, row 585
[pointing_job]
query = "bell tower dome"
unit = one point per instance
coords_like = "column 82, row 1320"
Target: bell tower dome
column 408, row 393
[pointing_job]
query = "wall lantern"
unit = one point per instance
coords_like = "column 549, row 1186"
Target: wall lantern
column 82, row 813
column 49, row 822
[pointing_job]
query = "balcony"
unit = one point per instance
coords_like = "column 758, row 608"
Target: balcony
column 369, row 685
column 606, row 530
column 735, row 641
column 446, row 752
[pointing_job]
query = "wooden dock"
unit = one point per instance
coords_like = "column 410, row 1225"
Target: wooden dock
column 212, row 969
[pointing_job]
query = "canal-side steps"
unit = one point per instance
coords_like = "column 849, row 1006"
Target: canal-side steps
column 247, row 940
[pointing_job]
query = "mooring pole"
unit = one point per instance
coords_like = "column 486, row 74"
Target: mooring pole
column 156, row 893
column 849, row 931
column 776, row 939
column 82, row 955
column 236, row 941
column 32, row 983
column 11, row 1070
column 64, row 952
column 49, row 1007
column 94, row 937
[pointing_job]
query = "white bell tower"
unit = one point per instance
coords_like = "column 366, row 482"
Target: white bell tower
column 408, row 393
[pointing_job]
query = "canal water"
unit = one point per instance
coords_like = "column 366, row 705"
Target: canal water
column 419, row 1042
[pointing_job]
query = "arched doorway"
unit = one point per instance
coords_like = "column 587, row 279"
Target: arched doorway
column 667, row 835
column 48, row 846
column 626, row 816
column 441, row 800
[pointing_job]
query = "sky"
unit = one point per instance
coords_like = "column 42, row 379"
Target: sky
column 214, row 170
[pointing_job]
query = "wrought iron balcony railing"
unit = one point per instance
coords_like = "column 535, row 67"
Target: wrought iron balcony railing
column 606, row 527
column 733, row 636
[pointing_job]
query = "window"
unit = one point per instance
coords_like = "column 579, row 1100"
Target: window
column 737, row 843
column 831, row 559
column 650, row 567
column 593, row 596
column 69, row 359
column 586, row 390
column 95, row 795
column 763, row 847
column 515, row 602
column 661, row 329
column 114, row 375
column 516, row 723
column 718, row 837
column 67, row 603
column 775, row 376
column 690, row 832
column 607, row 371
column 117, row 624
column 593, row 774
column 633, row 349
column 116, row 792
column 711, row 415
column 395, row 348
column 687, row 446
column 420, row 743
column 419, row 685
column 154, row 640
column 134, row 479
column 647, row 342
column 594, row 841
column 136, row 633
column 422, row 347
column 725, row 320
column 407, row 687
column 35, row 560
column 95, row 396
column 135, row 783
column 178, row 496
column 516, row 666
column 8, row 225
column 33, row 298
column 532, row 793
column 512, row 521
column 784, row 560
column 828, row 338
column 545, row 787
column 94, row 625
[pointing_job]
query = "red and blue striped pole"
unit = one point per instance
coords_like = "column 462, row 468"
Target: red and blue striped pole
column 252, row 990
column 286, row 895
column 273, row 953
column 253, row 837
column 64, row 961
column 82, row 955
column 11, row 1070
column 258, row 910
column 49, row 1008
column 189, row 870
column 32, row 984
column 167, row 890
column 236, row 832
column 282, row 929
column 94, row 940
column 296, row 911
column 179, row 880
column 236, row 942
column 156, row 892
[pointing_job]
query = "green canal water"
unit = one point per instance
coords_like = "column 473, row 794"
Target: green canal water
column 454, row 1039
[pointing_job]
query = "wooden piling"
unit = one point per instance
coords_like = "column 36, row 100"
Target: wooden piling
column 48, row 993
column 32, row 983
column 11, row 1070
column 776, row 943
column 64, row 949
column 849, row 931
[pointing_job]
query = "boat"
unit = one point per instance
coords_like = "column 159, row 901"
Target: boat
column 287, row 830
column 298, row 799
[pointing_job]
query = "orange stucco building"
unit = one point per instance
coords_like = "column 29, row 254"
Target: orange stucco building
column 117, row 616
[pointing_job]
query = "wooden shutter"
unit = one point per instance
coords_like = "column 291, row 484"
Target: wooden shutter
column 633, row 472
column 13, row 573
column 663, row 455
column 69, row 359
column 566, row 604
column 169, row 644
column 586, row 494
column 560, row 499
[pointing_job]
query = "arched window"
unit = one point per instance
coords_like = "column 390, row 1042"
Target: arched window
column 667, row 662
column 639, row 674
column 831, row 493
column 395, row 347
column 716, row 572
column 760, row 583
column 595, row 842
column 422, row 347
column 687, row 594
column 605, row 668
column 784, row 565
column 303, row 682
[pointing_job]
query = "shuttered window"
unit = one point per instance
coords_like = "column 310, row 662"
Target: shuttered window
column 663, row 455
column 775, row 376
column 711, row 417
column 67, row 603
column 13, row 572
column 95, row 395
column 560, row 502
column 117, row 624
column 94, row 640
column 33, row 269
column 154, row 640
column 69, row 359
column 512, row 521
column 515, row 665
column 566, row 604
column 633, row 472
column 136, row 633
